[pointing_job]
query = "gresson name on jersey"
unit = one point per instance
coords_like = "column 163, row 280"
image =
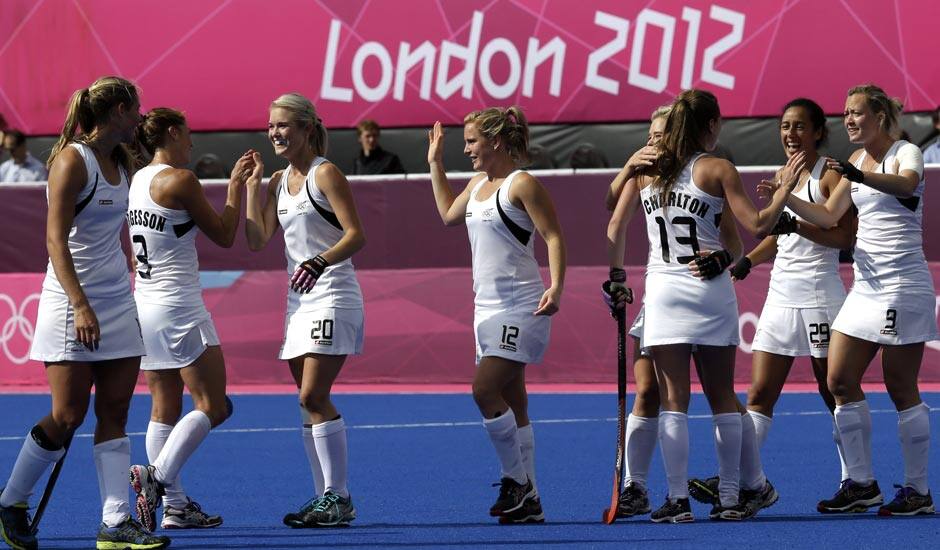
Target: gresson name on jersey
column 687, row 202
column 145, row 218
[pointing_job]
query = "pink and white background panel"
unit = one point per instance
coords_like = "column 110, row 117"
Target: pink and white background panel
column 411, row 62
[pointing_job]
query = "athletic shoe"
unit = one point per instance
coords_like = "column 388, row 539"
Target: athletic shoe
column 512, row 496
column 633, row 500
column 730, row 513
column 190, row 516
column 296, row 519
column 704, row 490
column 530, row 512
column 852, row 497
column 14, row 527
column 673, row 511
column 149, row 491
column 330, row 510
column 129, row 535
column 908, row 502
column 758, row 499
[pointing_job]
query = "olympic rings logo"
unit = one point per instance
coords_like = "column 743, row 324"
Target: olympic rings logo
column 18, row 322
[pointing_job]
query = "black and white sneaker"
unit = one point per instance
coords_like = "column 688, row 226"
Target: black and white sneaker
column 149, row 491
column 296, row 519
column 673, row 511
column 190, row 516
column 530, row 512
column 634, row 500
column 704, row 490
column 758, row 499
column 908, row 502
column 330, row 510
column 852, row 497
column 14, row 527
column 512, row 495
column 737, row 512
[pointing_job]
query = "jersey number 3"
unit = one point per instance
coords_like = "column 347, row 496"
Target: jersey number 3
column 691, row 240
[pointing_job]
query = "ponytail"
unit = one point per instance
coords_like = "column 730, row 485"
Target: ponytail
column 684, row 135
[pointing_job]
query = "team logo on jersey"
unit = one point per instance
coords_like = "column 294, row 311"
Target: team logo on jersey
column 488, row 214
column 303, row 206
column 105, row 202
column 282, row 211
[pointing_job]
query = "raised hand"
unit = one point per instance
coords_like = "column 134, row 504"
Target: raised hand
column 644, row 157
column 436, row 143
column 790, row 174
column 257, row 169
column 243, row 167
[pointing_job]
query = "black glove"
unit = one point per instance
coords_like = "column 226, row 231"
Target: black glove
column 785, row 225
column 714, row 264
column 307, row 273
column 851, row 173
column 741, row 269
column 616, row 293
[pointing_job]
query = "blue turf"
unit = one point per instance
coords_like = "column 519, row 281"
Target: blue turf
column 429, row 486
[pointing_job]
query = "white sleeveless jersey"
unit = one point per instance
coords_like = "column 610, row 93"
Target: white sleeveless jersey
column 310, row 228
column 164, row 241
column 806, row 274
column 95, row 237
column 889, row 253
column 680, row 224
column 505, row 273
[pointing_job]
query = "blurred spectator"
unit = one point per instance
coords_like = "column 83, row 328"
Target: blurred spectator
column 372, row 159
column 931, row 138
column 209, row 166
column 540, row 158
column 22, row 166
column 588, row 156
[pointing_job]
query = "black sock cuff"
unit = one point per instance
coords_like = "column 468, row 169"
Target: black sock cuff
column 42, row 439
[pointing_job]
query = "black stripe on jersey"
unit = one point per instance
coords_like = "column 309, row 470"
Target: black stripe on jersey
column 910, row 203
column 809, row 190
column 519, row 233
column 718, row 219
column 327, row 215
column 81, row 206
column 181, row 229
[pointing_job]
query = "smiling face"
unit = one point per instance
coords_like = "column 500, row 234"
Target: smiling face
column 478, row 147
column 861, row 123
column 797, row 132
column 284, row 133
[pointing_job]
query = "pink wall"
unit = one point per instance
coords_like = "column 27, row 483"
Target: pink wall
column 418, row 329
column 223, row 61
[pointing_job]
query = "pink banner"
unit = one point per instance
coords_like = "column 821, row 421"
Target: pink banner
column 418, row 329
column 410, row 62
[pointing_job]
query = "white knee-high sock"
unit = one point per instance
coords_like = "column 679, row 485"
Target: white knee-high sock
column 752, row 470
column 674, row 445
column 762, row 424
column 527, row 449
column 854, row 422
column 330, row 440
column 837, row 437
column 505, row 438
column 157, row 434
column 640, row 439
column 728, row 445
column 112, row 461
column 31, row 464
column 914, row 431
column 185, row 438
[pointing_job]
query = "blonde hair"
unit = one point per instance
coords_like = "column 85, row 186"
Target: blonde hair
column 660, row 112
column 509, row 124
column 305, row 115
column 89, row 109
column 879, row 102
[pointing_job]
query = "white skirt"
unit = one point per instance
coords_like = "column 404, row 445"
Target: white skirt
column 683, row 310
column 891, row 322
column 326, row 331
column 795, row 332
column 55, row 339
column 175, row 336
column 514, row 335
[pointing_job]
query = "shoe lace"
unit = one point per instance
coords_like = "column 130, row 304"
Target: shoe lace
column 506, row 486
column 325, row 502
column 903, row 493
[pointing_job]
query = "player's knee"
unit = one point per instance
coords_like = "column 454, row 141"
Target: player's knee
column 647, row 401
column 838, row 387
column 759, row 397
column 68, row 420
column 315, row 402
column 483, row 394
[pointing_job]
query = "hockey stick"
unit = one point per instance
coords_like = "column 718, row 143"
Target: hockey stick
column 610, row 514
column 50, row 485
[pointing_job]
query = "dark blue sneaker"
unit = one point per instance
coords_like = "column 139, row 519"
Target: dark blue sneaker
column 14, row 527
column 908, row 502
column 129, row 535
column 852, row 497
